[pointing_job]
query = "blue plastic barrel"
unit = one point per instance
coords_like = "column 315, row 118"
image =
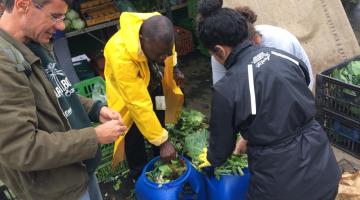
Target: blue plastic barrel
column 228, row 187
column 190, row 185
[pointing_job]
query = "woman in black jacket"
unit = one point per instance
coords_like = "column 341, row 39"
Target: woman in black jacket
column 264, row 95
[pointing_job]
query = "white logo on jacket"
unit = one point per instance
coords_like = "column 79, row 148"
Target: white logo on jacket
column 63, row 85
column 260, row 59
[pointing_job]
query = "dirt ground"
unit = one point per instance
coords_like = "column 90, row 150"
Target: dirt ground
column 197, row 89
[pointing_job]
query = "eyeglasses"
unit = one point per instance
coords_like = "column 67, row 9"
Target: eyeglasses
column 54, row 17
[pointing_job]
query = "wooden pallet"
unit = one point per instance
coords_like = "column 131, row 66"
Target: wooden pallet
column 107, row 11
column 92, row 3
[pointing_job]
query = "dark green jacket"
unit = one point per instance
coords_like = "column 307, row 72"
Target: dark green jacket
column 40, row 156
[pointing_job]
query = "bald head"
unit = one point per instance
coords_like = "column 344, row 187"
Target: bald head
column 157, row 38
column 158, row 28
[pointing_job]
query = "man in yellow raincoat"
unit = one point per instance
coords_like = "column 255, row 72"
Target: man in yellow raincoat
column 138, row 86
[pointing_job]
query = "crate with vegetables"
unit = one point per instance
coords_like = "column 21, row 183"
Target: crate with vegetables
column 338, row 104
column 99, row 13
column 183, row 179
column 338, row 89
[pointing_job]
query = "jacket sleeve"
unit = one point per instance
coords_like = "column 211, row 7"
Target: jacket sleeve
column 24, row 147
column 91, row 108
column 230, row 114
column 133, row 90
column 301, row 54
column 222, row 134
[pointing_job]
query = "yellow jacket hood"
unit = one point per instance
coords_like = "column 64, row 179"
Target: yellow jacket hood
column 130, row 23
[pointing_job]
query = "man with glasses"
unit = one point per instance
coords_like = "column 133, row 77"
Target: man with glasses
column 48, row 149
column 143, row 85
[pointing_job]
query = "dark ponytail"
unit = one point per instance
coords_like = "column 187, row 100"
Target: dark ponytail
column 220, row 26
column 207, row 7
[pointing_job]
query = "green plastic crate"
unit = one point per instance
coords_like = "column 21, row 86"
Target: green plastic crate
column 85, row 87
column 104, row 171
column 83, row 70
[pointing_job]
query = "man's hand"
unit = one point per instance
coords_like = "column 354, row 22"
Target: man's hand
column 108, row 114
column 203, row 159
column 109, row 131
column 167, row 151
column 179, row 77
column 241, row 147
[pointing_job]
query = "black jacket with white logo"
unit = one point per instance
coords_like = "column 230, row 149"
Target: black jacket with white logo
column 264, row 95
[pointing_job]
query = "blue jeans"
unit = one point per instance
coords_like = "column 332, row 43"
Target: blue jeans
column 93, row 192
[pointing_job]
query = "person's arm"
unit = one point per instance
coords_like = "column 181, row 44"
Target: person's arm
column 92, row 108
column 134, row 92
column 222, row 134
column 301, row 54
column 231, row 110
column 23, row 146
column 241, row 147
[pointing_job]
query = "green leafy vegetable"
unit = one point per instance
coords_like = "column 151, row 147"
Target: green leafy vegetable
column 166, row 172
column 190, row 136
column 349, row 74
column 233, row 166
column 68, row 25
column 189, row 122
column 78, row 24
column 195, row 143
column 71, row 14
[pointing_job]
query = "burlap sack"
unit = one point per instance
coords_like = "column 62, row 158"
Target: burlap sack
column 321, row 26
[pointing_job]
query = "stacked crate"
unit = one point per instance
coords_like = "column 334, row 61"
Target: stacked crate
column 98, row 11
column 183, row 41
column 338, row 105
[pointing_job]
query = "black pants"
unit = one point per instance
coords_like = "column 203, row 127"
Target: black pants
column 135, row 144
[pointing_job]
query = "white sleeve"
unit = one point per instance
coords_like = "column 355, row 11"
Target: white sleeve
column 218, row 70
column 301, row 54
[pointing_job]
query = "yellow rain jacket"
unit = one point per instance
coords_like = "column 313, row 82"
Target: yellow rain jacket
column 127, row 77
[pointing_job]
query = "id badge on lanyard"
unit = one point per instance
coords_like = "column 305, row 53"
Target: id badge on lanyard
column 160, row 103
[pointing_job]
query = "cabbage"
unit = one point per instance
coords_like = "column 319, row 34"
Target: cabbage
column 68, row 24
column 71, row 14
column 78, row 24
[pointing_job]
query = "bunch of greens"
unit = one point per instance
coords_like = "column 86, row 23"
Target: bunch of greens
column 349, row 74
column 189, row 122
column 233, row 166
column 166, row 172
column 190, row 136
column 176, row 137
column 194, row 145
